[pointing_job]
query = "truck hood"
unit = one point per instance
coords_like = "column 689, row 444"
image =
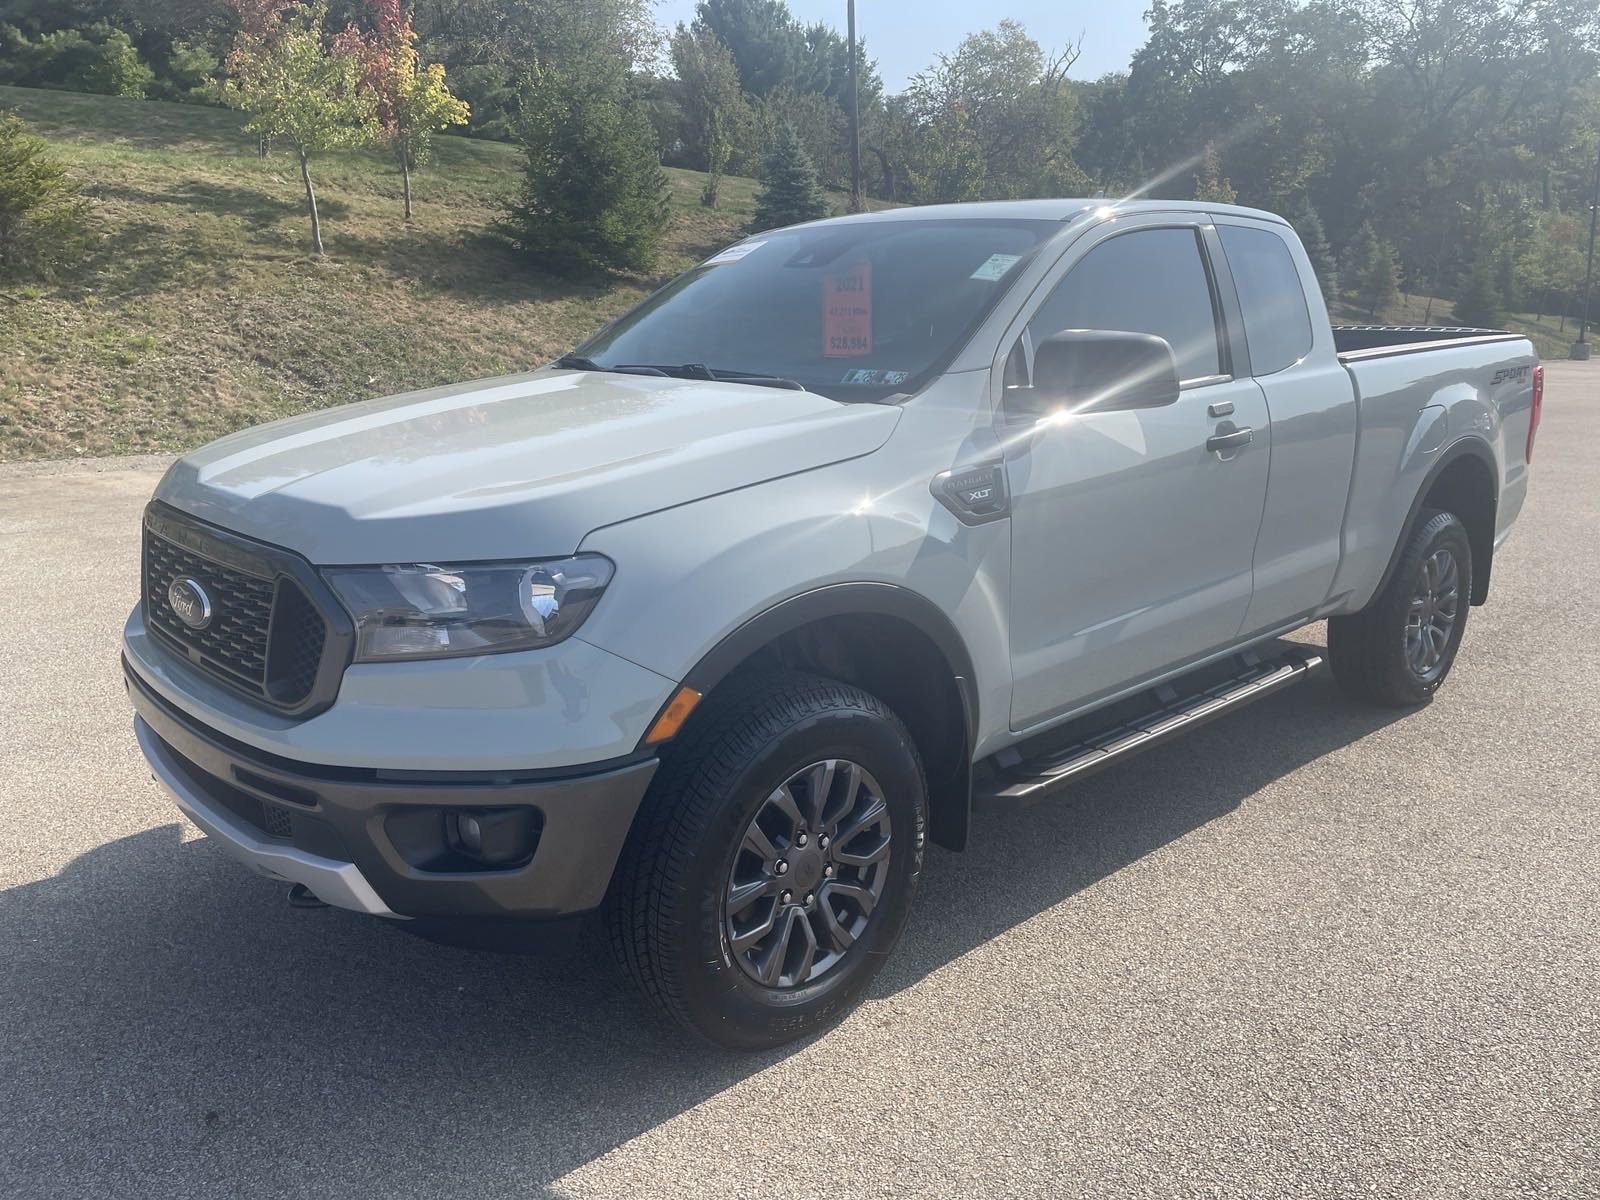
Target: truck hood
column 519, row 467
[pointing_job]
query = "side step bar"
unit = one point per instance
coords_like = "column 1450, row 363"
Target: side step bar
column 1014, row 777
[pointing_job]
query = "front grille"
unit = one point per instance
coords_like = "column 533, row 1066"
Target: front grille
column 265, row 637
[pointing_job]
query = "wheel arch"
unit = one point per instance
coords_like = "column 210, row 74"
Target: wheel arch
column 1462, row 482
column 887, row 640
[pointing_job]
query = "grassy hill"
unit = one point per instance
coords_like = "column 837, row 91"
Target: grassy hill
column 202, row 310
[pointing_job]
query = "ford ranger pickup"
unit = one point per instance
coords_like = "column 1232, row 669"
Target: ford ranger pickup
column 700, row 633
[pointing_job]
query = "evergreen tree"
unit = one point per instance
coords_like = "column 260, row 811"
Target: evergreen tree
column 43, row 219
column 594, row 196
column 1478, row 303
column 1315, row 239
column 1369, row 271
column 789, row 189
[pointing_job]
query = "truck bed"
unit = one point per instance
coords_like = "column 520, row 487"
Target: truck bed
column 1358, row 342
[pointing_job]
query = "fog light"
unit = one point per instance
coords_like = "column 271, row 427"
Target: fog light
column 496, row 837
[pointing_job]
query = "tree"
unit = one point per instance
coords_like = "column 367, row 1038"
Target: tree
column 767, row 44
column 594, row 196
column 1369, row 271
column 413, row 101
column 97, row 58
column 714, row 109
column 1210, row 184
column 1479, row 302
column 1309, row 226
column 789, row 189
column 296, row 86
column 1553, row 262
column 1002, row 97
column 43, row 218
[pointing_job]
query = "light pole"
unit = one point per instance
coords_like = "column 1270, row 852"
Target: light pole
column 858, row 202
column 1580, row 348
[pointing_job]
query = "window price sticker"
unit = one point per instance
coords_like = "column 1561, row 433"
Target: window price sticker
column 995, row 267
column 733, row 253
column 847, row 312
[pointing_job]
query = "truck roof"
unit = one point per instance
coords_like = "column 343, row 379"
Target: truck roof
column 1047, row 210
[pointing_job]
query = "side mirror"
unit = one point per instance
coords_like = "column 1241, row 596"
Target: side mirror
column 1101, row 370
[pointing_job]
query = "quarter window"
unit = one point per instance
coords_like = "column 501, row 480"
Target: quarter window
column 1147, row 281
column 1277, row 325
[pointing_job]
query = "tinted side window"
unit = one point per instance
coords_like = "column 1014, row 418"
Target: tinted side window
column 1148, row 281
column 1277, row 324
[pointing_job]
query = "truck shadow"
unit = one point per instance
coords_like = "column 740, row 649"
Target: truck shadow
column 172, row 1026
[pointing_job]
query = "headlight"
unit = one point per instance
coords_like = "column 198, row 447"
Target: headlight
column 427, row 611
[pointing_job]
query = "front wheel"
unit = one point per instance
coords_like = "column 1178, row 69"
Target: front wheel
column 773, row 864
column 1398, row 650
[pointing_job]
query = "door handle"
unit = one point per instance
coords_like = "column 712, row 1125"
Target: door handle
column 1231, row 441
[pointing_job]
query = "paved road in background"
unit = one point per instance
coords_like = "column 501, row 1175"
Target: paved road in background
column 1312, row 950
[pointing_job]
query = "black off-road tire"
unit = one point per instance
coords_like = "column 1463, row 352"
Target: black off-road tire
column 1368, row 650
column 666, row 909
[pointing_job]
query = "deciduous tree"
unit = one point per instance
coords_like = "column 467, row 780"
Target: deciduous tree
column 297, row 86
column 413, row 101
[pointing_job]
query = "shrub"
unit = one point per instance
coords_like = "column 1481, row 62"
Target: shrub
column 43, row 218
column 594, row 196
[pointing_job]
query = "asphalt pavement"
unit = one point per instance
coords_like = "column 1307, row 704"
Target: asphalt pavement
column 1311, row 950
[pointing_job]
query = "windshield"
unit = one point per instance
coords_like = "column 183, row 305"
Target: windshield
column 857, row 311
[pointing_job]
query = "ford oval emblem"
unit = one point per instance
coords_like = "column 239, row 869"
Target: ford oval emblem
column 190, row 602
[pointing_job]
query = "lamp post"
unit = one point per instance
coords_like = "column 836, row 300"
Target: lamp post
column 1580, row 348
column 857, row 200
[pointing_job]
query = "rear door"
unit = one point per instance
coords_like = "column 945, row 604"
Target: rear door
column 1312, row 403
column 1133, row 532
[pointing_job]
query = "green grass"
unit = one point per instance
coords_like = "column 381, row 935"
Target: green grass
column 1546, row 334
column 203, row 311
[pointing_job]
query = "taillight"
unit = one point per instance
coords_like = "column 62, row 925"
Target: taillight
column 1535, row 412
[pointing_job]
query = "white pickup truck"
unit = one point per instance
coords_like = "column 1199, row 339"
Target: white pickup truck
column 707, row 627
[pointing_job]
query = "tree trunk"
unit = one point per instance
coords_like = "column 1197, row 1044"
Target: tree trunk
column 888, row 173
column 311, row 204
column 405, row 172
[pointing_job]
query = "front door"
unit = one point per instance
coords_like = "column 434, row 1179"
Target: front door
column 1133, row 532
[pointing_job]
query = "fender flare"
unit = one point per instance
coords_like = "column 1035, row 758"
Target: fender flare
column 1465, row 447
column 949, row 800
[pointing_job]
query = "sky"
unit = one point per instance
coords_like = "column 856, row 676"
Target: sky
column 905, row 35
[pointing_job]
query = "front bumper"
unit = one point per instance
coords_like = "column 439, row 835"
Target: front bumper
column 359, row 837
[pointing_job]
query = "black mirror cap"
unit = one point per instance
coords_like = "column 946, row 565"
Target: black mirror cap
column 1104, row 370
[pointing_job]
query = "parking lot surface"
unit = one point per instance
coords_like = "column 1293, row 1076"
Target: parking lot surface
column 1311, row 950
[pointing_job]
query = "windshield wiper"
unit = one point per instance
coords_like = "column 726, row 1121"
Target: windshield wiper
column 577, row 362
column 719, row 374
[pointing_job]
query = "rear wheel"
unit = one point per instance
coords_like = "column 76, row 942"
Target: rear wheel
column 773, row 864
column 1398, row 650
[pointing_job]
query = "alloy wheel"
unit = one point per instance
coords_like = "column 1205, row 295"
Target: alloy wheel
column 808, row 874
column 1435, row 606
